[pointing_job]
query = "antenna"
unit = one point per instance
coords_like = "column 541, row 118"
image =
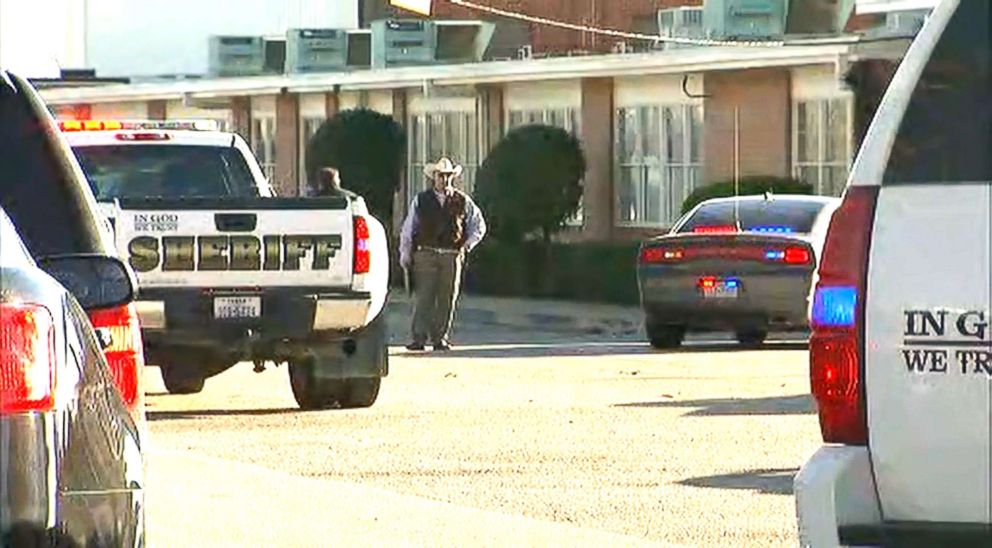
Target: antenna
column 737, row 167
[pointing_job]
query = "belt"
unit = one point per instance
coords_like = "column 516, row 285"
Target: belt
column 439, row 250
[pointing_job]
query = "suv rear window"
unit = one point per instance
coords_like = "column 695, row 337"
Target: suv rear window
column 945, row 135
column 776, row 215
column 166, row 171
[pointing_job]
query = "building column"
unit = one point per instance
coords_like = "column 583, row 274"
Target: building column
column 399, row 199
column 748, row 124
column 241, row 117
column 332, row 104
column 287, row 177
column 490, row 118
column 597, row 142
column 157, row 109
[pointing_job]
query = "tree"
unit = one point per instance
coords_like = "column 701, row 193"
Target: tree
column 746, row 186
column 530, row 182
column 369, row 149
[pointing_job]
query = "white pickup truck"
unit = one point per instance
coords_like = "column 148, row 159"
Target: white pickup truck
column 228, row 272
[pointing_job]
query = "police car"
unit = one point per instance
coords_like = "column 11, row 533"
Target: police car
column 900, row 360
column 229, row 272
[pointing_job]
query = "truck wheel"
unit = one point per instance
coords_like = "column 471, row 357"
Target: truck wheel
column 313, row 393
column 180, row 379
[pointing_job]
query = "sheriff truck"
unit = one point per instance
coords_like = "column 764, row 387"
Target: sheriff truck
column 229, row 272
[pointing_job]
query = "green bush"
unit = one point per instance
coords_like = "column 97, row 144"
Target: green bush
column 576, row 272
column 531, row 181
column 747, row 186
column 369, row 149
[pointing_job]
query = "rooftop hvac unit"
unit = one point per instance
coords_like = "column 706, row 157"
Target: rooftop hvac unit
column 462, row 41
column 403, row 42
column 745, row 19
column 236, row 55
column 316, row 50
column 905, row 23
column 680, row 23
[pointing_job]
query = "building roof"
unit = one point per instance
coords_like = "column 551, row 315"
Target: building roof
column 677, row 61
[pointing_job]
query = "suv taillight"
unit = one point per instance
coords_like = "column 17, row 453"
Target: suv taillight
column 363, row 257
column 27, row 358
column 125, row 355
column 836, row 346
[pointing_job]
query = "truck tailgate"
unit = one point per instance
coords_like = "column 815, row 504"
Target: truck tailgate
column 232, row 243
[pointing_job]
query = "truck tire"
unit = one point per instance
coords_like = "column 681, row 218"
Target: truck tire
column 181, row 379
column 312, row 393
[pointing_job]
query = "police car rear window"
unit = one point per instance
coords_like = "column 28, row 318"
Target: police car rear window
column 772, row 216
column 166, row 171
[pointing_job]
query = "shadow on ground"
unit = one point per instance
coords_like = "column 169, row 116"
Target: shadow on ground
column 769, row 481
column 779, row 405
column 204, row 413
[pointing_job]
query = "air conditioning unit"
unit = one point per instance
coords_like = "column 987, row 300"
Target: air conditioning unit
column 236, row 55
column 904, row 23
column 745, row 19
column 462, row 41
column 680, row 23
column 316, row 50
column 398, row 42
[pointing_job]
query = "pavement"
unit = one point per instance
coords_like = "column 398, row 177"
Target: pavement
column 518, row 437
column 546, row 315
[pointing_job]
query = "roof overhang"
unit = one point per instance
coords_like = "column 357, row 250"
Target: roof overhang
column 681, row 61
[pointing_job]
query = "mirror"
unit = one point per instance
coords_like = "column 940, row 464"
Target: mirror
column 97, row 281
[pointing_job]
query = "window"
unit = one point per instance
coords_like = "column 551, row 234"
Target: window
column 777, row 215
column 659, row 162
column 436, row 134
column 308, row 128
column 822, row 143
column 263, row 144
column 169, row 171
column 946, row 132
column 565, row 118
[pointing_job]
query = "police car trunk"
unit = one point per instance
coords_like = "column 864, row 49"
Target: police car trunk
column 219, row 259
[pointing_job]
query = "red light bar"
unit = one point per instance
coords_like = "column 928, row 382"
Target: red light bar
column 714, row 229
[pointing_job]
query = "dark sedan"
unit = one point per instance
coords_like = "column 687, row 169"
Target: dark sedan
column 70, row 458
column 742, row 264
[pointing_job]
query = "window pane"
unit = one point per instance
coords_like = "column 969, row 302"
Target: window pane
column 627, row 202
column 675, row 135
column 472, row 140
column 834, row 180
column 835, row 131
column 650, row 132
column 415, row 136
column 808, row 175
column 808, row 131
column 653, row 196
column 627, row 134
column 695, row 134
column 675, row 193
column 435, row 136
column 946, row 133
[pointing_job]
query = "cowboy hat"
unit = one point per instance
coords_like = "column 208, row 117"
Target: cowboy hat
column 444, row 165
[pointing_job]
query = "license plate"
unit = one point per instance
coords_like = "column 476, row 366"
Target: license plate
column 720, row 290
column 227, row 308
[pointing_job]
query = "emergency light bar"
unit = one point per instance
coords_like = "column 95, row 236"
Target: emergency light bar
column 118, row 125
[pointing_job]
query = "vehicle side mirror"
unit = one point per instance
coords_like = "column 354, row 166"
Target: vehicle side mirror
column 97, row 281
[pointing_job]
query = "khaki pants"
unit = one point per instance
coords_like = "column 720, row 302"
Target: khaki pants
column 437, row 277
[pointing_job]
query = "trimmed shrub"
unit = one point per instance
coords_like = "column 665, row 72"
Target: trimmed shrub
column 746, row 186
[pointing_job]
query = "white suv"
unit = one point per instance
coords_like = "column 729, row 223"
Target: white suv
column 900, row 361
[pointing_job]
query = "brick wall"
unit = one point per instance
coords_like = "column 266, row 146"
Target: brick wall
column 615, row 14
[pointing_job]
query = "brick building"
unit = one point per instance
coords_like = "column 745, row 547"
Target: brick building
column 637, row 15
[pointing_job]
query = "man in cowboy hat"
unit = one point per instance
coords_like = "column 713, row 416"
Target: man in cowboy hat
column 443, row 225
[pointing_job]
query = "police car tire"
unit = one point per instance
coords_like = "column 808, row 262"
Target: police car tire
column 751, row 337
column 665, row 337
column 182, row 380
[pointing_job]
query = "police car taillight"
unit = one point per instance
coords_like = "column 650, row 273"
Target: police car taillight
column 836, row 347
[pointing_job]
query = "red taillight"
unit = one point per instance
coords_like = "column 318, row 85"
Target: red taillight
column 707, row 282
column 660, row 255
column 363, row 256
column 125, row 356
column 27, row 358
column 797, row 255
column 714, row 229
column 837, row 342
